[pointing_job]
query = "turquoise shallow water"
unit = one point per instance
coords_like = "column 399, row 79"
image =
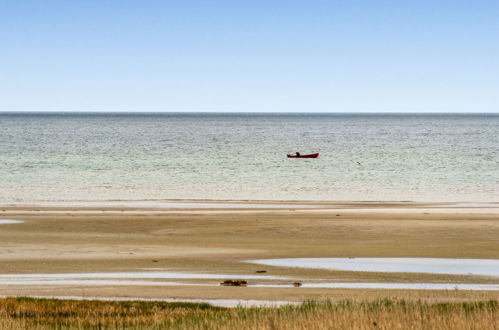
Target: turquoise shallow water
column 54, row 157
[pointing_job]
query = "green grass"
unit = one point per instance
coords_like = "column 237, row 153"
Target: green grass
column 21, row 313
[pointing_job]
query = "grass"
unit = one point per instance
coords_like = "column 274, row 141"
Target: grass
column 16, row 313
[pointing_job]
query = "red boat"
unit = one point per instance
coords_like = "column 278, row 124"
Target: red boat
column 304, row 156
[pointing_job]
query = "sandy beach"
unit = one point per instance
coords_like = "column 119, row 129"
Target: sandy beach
column 183, row 250
column 249, row 165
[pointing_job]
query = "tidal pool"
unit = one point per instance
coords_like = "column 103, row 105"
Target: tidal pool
column 89, row 282
column 390, row 285
column 158, row 279
column 8, row 221
column 331, row 285
column 487, row 267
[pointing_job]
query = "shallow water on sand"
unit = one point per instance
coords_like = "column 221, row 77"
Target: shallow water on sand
column 8, row 221
column 157, row 279
column 395, row 286
column 487, row 267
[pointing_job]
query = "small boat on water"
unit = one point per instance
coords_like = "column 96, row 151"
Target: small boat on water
column 304, row 156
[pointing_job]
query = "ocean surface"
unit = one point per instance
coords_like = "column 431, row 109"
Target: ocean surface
column 363, row 157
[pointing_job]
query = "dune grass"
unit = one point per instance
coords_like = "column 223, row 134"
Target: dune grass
column 19, row 313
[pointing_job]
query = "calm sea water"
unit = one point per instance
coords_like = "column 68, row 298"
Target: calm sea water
column 55, row 157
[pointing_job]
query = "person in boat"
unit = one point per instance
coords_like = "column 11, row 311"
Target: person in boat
column 297, row 154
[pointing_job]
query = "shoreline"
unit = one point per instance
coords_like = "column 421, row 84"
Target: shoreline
column 242, row 204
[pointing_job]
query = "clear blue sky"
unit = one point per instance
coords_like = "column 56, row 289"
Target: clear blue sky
column 317, row 56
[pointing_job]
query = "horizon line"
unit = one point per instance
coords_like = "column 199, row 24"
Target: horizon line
column 234, row 112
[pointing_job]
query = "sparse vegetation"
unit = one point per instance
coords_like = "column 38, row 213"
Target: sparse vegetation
column 16, row 313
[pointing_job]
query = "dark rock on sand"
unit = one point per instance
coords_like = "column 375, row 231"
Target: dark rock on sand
column 234, row 283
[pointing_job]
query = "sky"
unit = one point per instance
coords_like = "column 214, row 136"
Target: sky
column 249, row 56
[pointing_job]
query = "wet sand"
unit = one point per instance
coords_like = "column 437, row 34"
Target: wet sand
column 219, row 239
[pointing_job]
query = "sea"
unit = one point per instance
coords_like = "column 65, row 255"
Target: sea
column 54, row 157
